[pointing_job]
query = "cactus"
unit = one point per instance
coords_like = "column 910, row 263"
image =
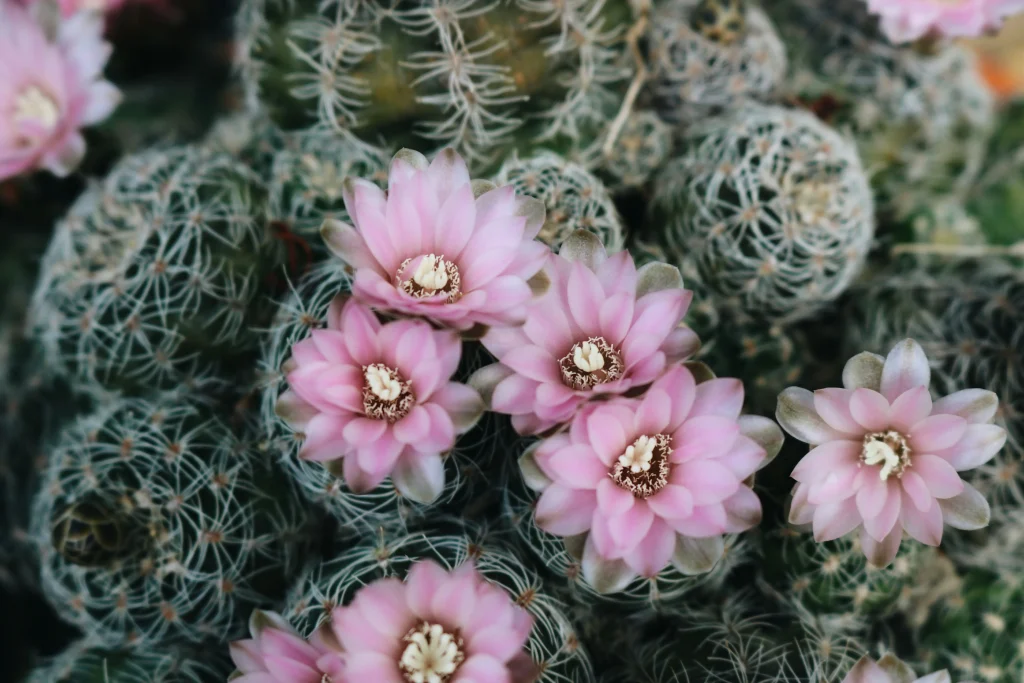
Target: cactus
column 156, row 525
column 468, row 74
column 771, row 205
column 643, row 147
column 81, row 663
column 553, row 645
column 305, row 310
column 708, row 56
column 575, row 199
column 153, row 279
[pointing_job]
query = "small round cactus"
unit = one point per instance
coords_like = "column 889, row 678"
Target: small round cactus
column 712, row 54
column 553, row 644
column 462, row 74
column 575, row 199
column 153, row 279
column 81, row 663
column 643, row 146
column 154, row 525
column 771, row 205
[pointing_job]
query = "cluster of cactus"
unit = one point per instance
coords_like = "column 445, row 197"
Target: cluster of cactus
column 820, row 191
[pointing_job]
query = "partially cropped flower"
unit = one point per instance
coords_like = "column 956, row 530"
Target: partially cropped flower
column 457, row 252
column 886, row 457
column 378, row 397
column 653, row 480
column 277, row 654
column 49, row 90
column 601, row 329
column 907, row 20
column 436, row 627
column 888, row 669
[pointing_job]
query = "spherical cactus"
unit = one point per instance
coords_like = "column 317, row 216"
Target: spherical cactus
column 772, row 206
column 643, row 146
column 153, row 279
column 575, row 199
column 305, row 310
column 711, row 54
column 156, row 525
column 81, row 663
column 553, row 645
column 467, row 74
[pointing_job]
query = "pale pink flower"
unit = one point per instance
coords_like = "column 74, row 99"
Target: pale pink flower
column 436, row 245
column 378, row 397
column 454, row 627
column 49, row 90
column 908, row 20
column 886, row 457
column 277, row 654
column 71, row 7
column 888, row 669
column 653, row 481
column 601, row 329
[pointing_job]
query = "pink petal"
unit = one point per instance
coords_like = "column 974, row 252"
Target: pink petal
column 246, row 656
column 654, row 552
column 722, row 397
column 413, row 426
column 678, row 383
column 607, row 435
column 835, row 486
column 441, row 436
column 873, row 493
column 657, row 315
column 916, row 491
column 506, row 293
column 618, row 274
column 422, row 582
column 800, row 510
column 796, row 414
column 514, row 395
column 292, row 671
column 922, row 525
column 452, row 603
column 405, row 230
column 324, row 438
column 383, row 608
column 826, row 458
column 870, row 409
column 478, row 269
column 350, row 629
column 358, row 479
column 372, row 666
column 706, row 436
column 546, row 326
column 977, row 406
column 612, row 499
column 743, row 510
column 881, row 554
column 938, row 475
column 905, row 367
column 363, row 431
column 419, row 477
column 455, row 222
column 672, row 502
column 744, row 458
column 533, row 362
column 979, row 444
column 937, row 433
column 585, row 297
column 833, row 520
column 373, row 228
column 360, row 328
column 564, row 511
column 705, row 522
column 910, row 408
column 833, row 405
column 627, row 528
column 615, row 317
column 577, row 466
column 707, row 481
column 482, row 668
column 879, row 526
column 331, row 344
column 494, row 641
column 653, row 413
column 378, row 459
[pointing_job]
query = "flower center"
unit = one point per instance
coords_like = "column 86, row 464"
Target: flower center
column 432, row 654
column 590, row 363
column 33, row 105
column 431, row 276
column 643, row 468
column 386, row 396
column 888, row 449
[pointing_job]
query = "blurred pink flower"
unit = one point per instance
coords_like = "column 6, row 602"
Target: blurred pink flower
column 653, row 481
column 886, row 457
column 454, row 627
column 601, row 329
column 378, row 398
column 888, row 669
column 277, row 654
column 438, row 246
column 907, row 20
column 49, row 90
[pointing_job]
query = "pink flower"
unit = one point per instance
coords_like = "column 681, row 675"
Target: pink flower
column 908, row 20
column 378, row 398
column 601, row 329
column 437, row 626
column 888, row 669
column 886, row 457
column 49, row 89
column 277, row 654
column 441, row 247
column 653, row 480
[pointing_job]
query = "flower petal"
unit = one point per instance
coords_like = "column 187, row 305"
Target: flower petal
column 924, row 526
column 938, row 432
column 880, row 554
column 870, row 409
column 565, row 511
column 603, row 574
column 977, row 406
column 694, row 556
column 938, row 475
column 419, row 477
column 979, row 444
column 864, row 371
column 654, row 552
column 833, row 520
column 833, row 405
column 905, row 367
column 968, row 511
column 910, row 408
column 796, row 414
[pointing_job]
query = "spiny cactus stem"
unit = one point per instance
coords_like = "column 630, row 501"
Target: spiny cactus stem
column 642, row 8
column 959, row 250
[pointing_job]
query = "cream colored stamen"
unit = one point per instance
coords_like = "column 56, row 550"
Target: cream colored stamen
column 638, row 456
column 587, row 357
column 430, row 274
column 33, row 105
column 888, row 449
column 432, row 655
column 381, row 383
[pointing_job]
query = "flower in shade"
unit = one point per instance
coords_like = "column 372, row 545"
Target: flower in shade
column 602, row 328
column 886, row 457
column 378, row 398
column 437, row 245
column 277, row 654
column 653, row 481
column 436, row 627
column 50, row 88
column 907, row 20
column 888, row 669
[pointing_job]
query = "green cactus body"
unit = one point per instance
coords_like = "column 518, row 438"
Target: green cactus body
column 997, row 198
column 153, row 280
column 553, row 645
column 298, row 315
column 156, row 525
column 771, row 205
column 920, row 115
column 575, row 198
column 466, row 74
column 84, row 664
column 643, row 147
column 700, row 69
